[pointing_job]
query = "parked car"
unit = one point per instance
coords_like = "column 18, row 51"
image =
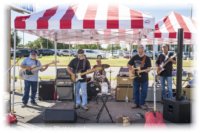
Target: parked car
column 134, row 52
column 149, row 54
column 157, row 54
column 18, row 54
column 65, row 52
column 94, row 54
column 44, row 52
column 115, row 54
column 126, row 54
column 186, row 55
column 23, row 52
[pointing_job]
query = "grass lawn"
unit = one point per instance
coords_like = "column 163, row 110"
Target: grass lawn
column 64, row 61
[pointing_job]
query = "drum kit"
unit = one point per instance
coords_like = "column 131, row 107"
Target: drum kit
column 99, row 85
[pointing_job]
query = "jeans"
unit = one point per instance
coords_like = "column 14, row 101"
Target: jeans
column 140, row 94
column 81, row 86
column 27, row 86
column 169, row 86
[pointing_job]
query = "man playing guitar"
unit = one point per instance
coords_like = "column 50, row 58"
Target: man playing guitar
column 80, row 64
column 143, row 64
column 31, row 81
column 166, row 74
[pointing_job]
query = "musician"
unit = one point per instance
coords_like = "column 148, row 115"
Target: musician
column 80, row 64
column 31, row 81
column 142, row 62
column 100, row 75
column 166, row 75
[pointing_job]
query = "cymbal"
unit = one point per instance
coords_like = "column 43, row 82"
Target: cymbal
column 105, row 65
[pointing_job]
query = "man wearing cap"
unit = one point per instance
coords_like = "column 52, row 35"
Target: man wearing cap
column 166, row 75
column 30, row 82
column 77, row 65
column 142, row 63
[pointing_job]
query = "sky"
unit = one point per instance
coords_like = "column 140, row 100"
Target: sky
column 157, row 10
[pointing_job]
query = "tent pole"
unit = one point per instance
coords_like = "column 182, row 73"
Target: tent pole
column 55, row 49
column 154, row 73
column 13, row 83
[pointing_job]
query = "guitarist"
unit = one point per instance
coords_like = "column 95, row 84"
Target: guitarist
column 142, row 62
column 166, row 74
column 80, row 64
column 31, row 82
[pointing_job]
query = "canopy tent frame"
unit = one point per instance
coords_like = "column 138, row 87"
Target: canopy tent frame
column 55, row 39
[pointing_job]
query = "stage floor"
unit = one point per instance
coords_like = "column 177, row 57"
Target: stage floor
column 33, row 115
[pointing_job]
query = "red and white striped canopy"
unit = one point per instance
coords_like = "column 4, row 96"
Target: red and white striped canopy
column 86, row 22
column 168, row 26
column 86, row 16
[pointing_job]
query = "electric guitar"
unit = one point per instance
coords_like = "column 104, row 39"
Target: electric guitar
column 161, row 68
column 23, row 73
column 77, row 76
column 138, row 71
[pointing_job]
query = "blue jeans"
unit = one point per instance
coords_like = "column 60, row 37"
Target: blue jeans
column 169, row 86
column 83, row 87
column 27, row 86
column 140, row 94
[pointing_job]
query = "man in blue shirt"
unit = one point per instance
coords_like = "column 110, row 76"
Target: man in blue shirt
column 31, row 81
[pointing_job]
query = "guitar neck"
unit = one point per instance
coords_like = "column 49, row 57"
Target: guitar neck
column 38, row 68
column 168, row 60
column 87, row 72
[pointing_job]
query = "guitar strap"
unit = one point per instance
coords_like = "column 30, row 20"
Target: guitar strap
column 143, row 61
column 36, row 62
column 84, row 65
column 166, row 57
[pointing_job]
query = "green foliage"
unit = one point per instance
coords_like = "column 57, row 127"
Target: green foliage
column 113, row 47
column 18, row 39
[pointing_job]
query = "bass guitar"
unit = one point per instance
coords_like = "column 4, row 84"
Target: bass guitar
column 23, row 73
column 161, row 68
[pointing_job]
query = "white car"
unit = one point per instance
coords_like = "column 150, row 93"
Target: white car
column 65, row 52
column 94, row 54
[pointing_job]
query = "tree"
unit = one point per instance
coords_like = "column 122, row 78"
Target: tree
column 113, row 47
column 18, row 39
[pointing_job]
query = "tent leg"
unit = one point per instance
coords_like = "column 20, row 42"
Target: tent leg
column 154, row 73
column 13, row 83
column 55, row 55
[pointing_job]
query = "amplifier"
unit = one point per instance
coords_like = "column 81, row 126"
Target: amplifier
column 64, row 93
column 61, row 73
column 64, row 82
column 60, row 115
column 122, row 92
column 124, row 81
column 124, row 71
column 187, row 92
column 46, row 90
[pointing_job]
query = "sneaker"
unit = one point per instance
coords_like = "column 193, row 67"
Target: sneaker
column 34, row 103
column 144, row 107
column 24, row 105
column 134, row 106
column 77, row 106
column 84, row 107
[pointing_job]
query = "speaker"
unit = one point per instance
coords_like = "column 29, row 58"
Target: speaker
column 46, row 90
column 177, row 111
column 60, row 116
column 64, row 93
